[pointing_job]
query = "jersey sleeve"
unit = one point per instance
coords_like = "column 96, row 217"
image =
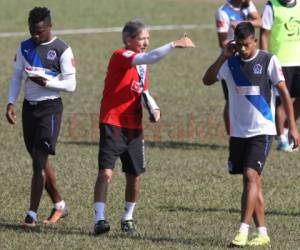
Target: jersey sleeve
column 275, row 71
column 267, row 17
column 16, row 79
column 222, row 21
column 67, row 80
column 124, row 58
column 154, row 55
column 146, row 83
column 252, row 7
column 67, row 62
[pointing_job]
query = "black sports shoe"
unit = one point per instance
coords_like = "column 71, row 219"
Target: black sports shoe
column 129, row 228
column 101, row 227
column 29, row 222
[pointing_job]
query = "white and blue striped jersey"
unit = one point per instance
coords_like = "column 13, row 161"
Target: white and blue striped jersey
column 227, row 14
column 251, row 87
column 52, row 60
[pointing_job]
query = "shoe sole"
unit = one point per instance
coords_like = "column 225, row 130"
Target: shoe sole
column 232, row 245
column 106, row 230
column 258, row 245
column 28, row 226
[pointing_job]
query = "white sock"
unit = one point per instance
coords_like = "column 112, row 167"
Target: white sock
column 60, row 205
column 244, row 228
column 282, row 138
column 286, row 131
column 99, row 211
column 128, row 211
column 32, row 214
column 262, row 231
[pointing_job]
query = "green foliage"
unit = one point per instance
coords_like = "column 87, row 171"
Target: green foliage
column 188, row 201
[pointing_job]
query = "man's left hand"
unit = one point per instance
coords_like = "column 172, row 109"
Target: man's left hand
column 294, row 138
column 155, row 117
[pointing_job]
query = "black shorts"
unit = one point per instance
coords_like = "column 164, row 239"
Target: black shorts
column 225, row 89
column 292, row 80
column 248, row 153
column 128, row 144
column 41, row 124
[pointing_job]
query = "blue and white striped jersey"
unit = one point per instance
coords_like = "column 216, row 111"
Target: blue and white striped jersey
column 251, row 93
column 226, row 14
column 53, row 60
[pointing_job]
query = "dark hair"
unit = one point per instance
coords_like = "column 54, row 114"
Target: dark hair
column 244, row 30
column 132, row 29
column 39, row 14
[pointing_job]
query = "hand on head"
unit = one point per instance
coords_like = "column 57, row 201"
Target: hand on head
column 230, row 49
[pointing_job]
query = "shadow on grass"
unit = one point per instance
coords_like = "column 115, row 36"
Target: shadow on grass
column 158, row 144
column 224, row 210
column 189, row 242
column 42, row 229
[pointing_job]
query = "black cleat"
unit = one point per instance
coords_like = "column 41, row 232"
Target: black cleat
column 129, row 228
column 101, row 227
column 29, row 222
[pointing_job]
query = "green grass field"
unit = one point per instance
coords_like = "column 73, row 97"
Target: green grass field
column 188, row 201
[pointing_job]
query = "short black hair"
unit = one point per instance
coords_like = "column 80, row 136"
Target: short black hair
column 244, row 30
column 132, row 29
column 39, row 14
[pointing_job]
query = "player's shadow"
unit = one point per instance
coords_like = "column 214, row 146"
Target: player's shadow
column 224, row 210
column 160, row 144
column 114, row 235
column 182, row 145
column 42, row 229
column 187, row 242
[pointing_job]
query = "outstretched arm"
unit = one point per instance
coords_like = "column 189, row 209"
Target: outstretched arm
column 157, row 54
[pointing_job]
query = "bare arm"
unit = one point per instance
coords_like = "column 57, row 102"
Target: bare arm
column 288, row 106
column 210, row 76
column 255, row 19
column 263, row 39
column 222, row 38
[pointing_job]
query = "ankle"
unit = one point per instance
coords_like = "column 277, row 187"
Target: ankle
column 244, row 228
column 262, row 231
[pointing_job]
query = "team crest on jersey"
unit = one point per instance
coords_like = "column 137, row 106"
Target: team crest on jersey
column 128, row 53
column 51, row 55
column 136, row 87
column 257, row 69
